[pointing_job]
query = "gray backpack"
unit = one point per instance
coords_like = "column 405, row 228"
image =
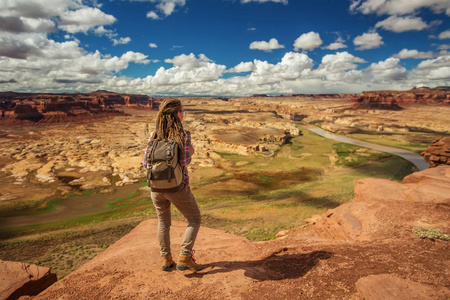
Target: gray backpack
column 164, row 172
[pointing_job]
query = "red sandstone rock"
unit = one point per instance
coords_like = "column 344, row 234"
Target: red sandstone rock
column 391, row 287
column 378, row 100
column 377, row 201
column 392, row 99
column 430, row 175
column 20, row 279
column 18, row 108
column 438, row 153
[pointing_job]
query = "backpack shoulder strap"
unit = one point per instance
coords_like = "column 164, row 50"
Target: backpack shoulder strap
column 151, row 152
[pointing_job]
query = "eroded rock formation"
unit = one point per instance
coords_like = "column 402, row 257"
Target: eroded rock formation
column 393, row 99
column 25, row 109
column 377, row 202
column 438, row 153
column 378, row 100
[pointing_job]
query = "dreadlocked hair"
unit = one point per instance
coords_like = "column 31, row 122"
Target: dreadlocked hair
column 168, row 125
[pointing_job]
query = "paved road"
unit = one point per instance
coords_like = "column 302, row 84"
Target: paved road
column 415, row 158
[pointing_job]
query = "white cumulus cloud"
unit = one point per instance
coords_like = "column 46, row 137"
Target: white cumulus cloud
column 37, row 9
column 308, row 41
column 242, row 67
column 83, row 19
column 444, row 35
column 28, row 45
column 121, row 41
column 64, row 64
column 266, row 46
column 368, row 41
column 22, row 24
column 187, row 69
column 44, row 16
column 388, row 70
column 152, row 45
column 399, row 7
column 433, row 70
column 405, row 53
column 341, row 61
column 335, row 67
column 402, row 24
column 263, row 1
column 441, row 61
column 188, row 62
column 338, row 44
column 164, row 7
column 443, row 47
column 153, row 15
column 292, row 66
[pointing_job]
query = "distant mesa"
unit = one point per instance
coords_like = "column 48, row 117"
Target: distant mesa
column 393, row 99
column 376, row 100
column 29, row 108
column 314, row 96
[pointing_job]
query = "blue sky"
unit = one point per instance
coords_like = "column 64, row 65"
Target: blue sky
column 223, row 47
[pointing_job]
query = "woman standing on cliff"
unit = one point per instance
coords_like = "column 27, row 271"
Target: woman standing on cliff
column 169, row 126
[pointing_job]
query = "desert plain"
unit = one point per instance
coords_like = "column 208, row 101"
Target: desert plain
column 70, row 190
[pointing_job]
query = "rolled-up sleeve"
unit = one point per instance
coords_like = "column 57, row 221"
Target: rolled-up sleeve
column 184, row 161
column 144, row 161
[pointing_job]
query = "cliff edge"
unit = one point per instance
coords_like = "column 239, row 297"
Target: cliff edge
column 368, row 248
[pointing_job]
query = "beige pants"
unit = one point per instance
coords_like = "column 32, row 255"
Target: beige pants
column 185, row 202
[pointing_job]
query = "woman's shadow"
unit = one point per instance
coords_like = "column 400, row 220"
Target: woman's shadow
column 273, row 267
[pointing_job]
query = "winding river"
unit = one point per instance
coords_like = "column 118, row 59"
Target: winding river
column 415, row 158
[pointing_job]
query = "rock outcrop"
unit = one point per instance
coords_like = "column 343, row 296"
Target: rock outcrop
column 392, row 99
column 371, row 214
column 378, row 100
column 20, row 279
column 438, row 153
column 365, row 249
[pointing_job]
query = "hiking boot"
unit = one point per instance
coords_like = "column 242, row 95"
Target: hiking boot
column 167, row 263
column 186, row 262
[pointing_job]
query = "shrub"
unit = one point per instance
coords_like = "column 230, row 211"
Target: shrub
column 431, row 233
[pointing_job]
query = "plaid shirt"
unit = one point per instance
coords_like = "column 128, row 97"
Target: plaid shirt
column 183, row 161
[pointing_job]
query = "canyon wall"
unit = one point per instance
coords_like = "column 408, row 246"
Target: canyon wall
column 393, row 99
column 28, row 109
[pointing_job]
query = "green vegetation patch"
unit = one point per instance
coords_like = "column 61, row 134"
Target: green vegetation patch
column 351, row 155
column 279, row 179
column 66, row 251
column 264, row 233
column 431, row 233
column 137, row 206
